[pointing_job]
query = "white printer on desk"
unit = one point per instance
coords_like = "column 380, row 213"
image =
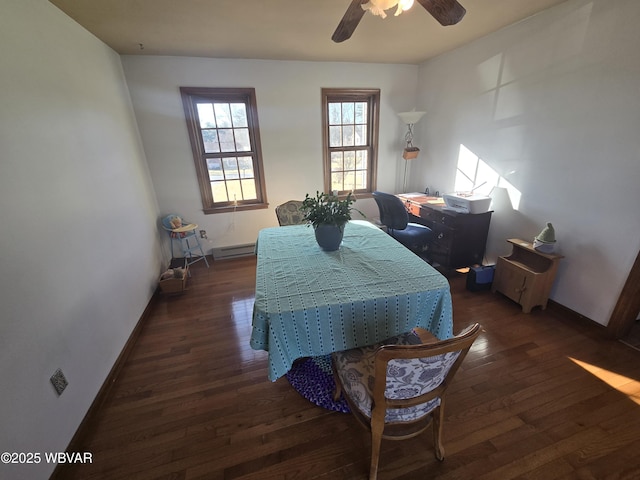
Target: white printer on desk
column 463, row 203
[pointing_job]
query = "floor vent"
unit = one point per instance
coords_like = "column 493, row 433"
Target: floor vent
column 223, row 253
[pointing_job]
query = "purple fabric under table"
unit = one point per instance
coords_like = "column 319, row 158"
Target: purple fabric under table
column 313, row 379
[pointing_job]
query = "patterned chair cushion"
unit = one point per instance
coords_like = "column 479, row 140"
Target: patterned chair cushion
column 406, row 378
column 289, row 213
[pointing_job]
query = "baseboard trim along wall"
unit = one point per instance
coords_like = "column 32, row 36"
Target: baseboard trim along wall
column 75, row 445
column 222, row 253
column 575, row 316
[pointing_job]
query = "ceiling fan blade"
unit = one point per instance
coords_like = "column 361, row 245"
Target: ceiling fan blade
column 447, row 12
column 349, row 21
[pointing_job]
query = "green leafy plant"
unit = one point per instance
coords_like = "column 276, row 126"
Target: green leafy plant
column 328, row 209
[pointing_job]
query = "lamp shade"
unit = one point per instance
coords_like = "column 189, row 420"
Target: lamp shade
column 411, row 118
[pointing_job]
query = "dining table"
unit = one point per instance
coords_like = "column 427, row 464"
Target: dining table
column 310, row 302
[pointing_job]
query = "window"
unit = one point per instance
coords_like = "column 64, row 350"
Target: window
column 225, row 139
column 350, row 139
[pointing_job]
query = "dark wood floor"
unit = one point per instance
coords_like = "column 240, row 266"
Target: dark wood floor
column 540, row 396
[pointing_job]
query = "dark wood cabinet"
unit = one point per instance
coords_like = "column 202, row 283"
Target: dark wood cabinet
column 460, row 238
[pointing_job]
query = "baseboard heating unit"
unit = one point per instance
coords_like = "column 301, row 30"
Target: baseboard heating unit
column 232, row 251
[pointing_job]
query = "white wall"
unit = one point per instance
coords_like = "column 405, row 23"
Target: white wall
column 553, row 104
column 289, row 110
column 79, row 243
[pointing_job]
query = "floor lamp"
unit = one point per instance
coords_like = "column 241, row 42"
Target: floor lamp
column 410, row 152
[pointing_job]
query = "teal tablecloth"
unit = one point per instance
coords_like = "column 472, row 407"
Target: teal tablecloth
column 310, row 302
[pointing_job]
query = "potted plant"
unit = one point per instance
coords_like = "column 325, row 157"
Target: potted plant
column 328, row 215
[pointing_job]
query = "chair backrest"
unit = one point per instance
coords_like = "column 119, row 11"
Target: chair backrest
column 393, row 214
column 289, row 213
column 409, row 375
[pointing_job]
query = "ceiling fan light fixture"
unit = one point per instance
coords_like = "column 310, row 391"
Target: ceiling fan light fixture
column 404, row 5
column 446, row 12
column 378, row 7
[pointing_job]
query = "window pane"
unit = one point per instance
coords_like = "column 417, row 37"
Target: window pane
column 249, row 189
column 350, row 160
column 349, row 180
column 214, row 165
column 210, row 141
column 336, row 181
column 235, row 190
column 227, row 142
column 361, row 159
column 347, row 135
column 230, row 168
column 347, row 113
column 361, row 112
column 219, row 192
column 361, row 135
column 246, row 167
column 336, row 161
column 243, row 143
column 361, row 179
column 335, row 136
column 335, row 115
column 223, row 116
column 239, row 115
column 205, row 114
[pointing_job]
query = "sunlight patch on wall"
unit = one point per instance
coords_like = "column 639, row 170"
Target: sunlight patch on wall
column 474, row 175
column 623, row 384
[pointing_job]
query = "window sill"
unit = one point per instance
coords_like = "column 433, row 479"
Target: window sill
column 235, row 208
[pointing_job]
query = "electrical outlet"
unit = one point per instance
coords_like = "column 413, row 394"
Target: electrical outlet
column 58, row 381
column 203, row 234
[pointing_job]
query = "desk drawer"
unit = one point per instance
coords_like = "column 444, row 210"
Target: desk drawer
column 412, row 208
column 442, row 233
column 442, row 239
column 437, row 216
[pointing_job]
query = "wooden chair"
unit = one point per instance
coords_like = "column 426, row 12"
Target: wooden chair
column 289, row 213
column 396, row 388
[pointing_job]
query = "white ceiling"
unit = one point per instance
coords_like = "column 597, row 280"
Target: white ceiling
column 285, row 29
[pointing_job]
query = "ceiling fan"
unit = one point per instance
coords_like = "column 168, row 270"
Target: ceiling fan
column 447, row 12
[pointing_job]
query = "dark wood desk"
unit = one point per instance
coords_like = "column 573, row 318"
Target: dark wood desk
column 460, row 238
